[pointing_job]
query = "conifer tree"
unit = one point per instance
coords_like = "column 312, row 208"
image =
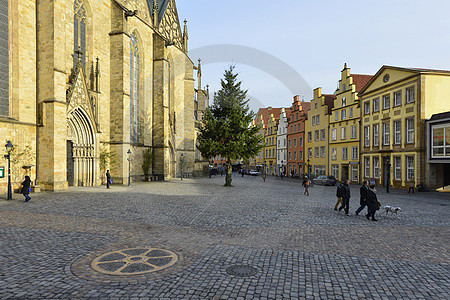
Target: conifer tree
column 226, row 129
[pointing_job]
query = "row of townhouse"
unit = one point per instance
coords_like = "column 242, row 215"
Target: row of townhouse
column 371, row 127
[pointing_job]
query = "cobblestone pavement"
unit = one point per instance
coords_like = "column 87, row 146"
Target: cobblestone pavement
column 299, row 245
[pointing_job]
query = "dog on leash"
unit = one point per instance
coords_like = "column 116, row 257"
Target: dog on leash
column 391, row 209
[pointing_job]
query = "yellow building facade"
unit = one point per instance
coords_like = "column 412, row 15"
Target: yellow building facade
column 394, row 106
column 95, row 77
column 344, row 139
column 317, row 133
column 270, row 149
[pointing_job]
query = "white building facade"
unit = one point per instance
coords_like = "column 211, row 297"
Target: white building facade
column 282, row 143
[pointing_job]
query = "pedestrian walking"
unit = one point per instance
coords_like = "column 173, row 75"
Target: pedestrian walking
column 26, row 188
column 306, row 184
column 363, row 192
column 345, row 197
column 264, row 176
column 108, row 179
column 372, row 203
column 339, row 196
column 411, row 186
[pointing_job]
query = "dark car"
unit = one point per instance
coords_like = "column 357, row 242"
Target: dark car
column 325, row 180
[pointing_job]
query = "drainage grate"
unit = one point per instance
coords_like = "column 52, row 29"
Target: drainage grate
column 242, row 270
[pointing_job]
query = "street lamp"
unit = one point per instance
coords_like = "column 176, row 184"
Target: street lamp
column 181, row 164
column 9, row 146
column 129, row 167
column 307, row 171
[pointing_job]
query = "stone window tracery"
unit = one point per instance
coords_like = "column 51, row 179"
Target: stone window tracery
column 135, row 90
column 79, row 32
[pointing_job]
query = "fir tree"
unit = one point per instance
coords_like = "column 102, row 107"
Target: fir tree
column 226, row 129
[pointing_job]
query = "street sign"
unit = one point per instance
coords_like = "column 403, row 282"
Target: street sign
column 2, row 172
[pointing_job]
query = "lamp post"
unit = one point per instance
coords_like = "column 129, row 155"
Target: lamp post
column 9, row 146
column 129, row 167
column 181, row 164
column 307, row 171
column 281, row 170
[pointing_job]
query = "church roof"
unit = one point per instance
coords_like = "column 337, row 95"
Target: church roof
column 162, row 6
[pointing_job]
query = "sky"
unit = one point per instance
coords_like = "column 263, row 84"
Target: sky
column 284, row 48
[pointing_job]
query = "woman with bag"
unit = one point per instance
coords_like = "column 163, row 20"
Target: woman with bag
column 26, row 188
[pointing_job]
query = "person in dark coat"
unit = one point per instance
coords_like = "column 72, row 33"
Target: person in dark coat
column 345, row 197
column 363, row 191
column 26, row 185
column 306, row 184
column 372, row 203
column 108, row 179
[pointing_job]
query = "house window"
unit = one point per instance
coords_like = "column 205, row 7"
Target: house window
column 135, row 91
column 334, row 153
column 309, row 152
column 316, row 135
column 441, row 141
column 290, row 155
column 386, row 134
column 284, row 142
column 410, row 95
column 301, row 142
column 410, row 168
column 345, row 153
column 300, row 155
column 314, row 120
column 278, row 155
column 344, row 114
column 334, row 134
column 316, row 151
column 397, row 98
column 315, row 105
column 295, row 155
column 322, row 135
column 353, row 131
column 367, row 167
column 351, row 112
column 386, row 102
column 376, row 167
column 318, row 120
column 344, row 101
column 397, row 168
column 355, row 153
column 355, row 173
column 295, row 142
column 310, row 136
column 322, row 151
column 410, row 130
column 4, row 59
column 335, row 171
column 376, row 104
column 367, row 107
column 397, row 132
column 376, row 135
column 279, row 143
column 336, row 116
column 343, row 133
column 366, row 136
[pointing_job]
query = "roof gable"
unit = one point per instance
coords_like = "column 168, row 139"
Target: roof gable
column 386, row 76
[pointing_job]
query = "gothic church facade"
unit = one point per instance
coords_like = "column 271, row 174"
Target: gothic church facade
column 83, row 83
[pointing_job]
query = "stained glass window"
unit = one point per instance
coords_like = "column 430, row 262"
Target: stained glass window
column 4, row 59
column 135, row 126
column 79, row 32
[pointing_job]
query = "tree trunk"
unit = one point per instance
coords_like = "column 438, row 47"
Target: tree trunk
column 229, row 174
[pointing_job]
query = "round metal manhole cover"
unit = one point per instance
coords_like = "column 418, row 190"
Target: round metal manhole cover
column 242, row 270
column 134, row 261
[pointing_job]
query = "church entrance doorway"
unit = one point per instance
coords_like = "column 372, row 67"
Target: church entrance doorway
column 81, row 163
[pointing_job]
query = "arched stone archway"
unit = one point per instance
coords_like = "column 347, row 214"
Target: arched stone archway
column 81, row 150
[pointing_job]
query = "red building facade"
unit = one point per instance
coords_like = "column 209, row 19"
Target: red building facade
column 296, row 137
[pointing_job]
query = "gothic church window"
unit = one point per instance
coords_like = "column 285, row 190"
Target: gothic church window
column 4, row 59
column 135, row 90
column 79, row 32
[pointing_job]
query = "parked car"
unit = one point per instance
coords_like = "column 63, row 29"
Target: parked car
column 325, row 180
column 253, row 173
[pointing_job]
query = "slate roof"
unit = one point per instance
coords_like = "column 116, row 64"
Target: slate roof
column 329, row 101
column 162, row 6
column 360, row 80
column 441, row 116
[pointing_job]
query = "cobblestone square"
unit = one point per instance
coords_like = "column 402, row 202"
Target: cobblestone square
column 180, row 237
